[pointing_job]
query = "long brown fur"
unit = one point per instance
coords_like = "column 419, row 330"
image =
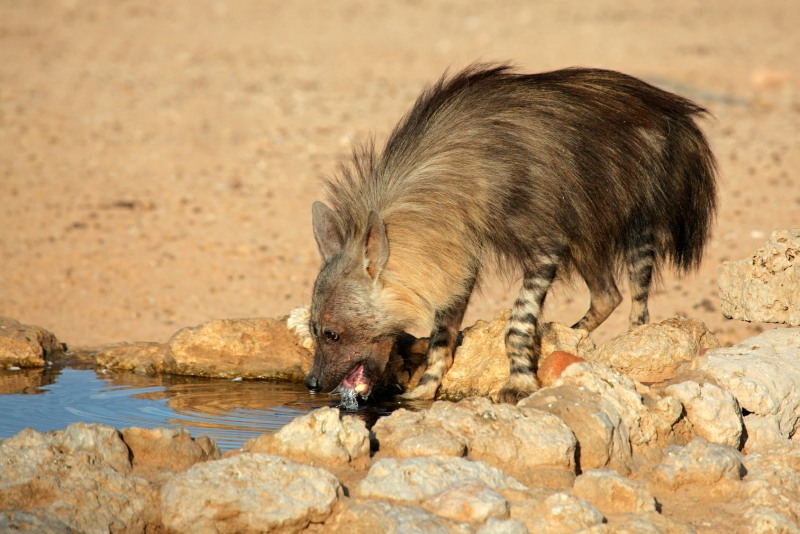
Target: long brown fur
column 583, row 171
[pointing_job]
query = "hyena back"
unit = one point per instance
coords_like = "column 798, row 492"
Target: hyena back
column 581, row 171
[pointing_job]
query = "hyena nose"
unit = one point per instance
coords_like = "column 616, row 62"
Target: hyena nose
column 312, row 383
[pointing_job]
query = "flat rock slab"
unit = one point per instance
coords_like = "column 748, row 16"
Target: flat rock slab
column 248, row 493
column 700, row 463
column 528, row 441
column 412, row 480
column 763, row 373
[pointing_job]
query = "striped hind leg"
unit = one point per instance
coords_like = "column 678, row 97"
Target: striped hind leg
column 522, row 331
column 641, row 258
column 604, row 298
column 441, row 349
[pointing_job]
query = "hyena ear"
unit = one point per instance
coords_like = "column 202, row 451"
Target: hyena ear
column 326, row 231
column 377, row 246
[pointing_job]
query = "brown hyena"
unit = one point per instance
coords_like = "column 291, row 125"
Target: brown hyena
column 576, row 170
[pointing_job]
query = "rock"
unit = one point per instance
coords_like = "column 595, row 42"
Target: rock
column 321, row 436
column 26, row 346
column 714, row 413
column 772, row 486
column 766, row 286
column 654, row 352
column 613, row 494
column 141, row 357
column 765, row 520
column 468, row 502
column 480, row 366
column 249, row 348
column 762, row 373
column 609, row 417
column 562, row 513
column 80, row 475
column 699, row 462
column 410, row 480
column 155, row 450
column 35, row 521
column 248, row 493
column 503, row 526
column 499, row 434
column 648, row 523
column 367, row 516
column 553, row 365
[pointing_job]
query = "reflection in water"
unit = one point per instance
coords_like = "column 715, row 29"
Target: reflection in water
column 229, row 412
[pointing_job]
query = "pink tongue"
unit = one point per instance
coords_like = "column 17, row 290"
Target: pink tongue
column 356, row 377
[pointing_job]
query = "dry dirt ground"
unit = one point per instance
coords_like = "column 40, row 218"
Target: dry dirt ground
column 158, row 160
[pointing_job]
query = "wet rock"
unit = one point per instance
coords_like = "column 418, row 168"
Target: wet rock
column 367, row 516
column 248, row 493
column 562, row 513
column 766, row 286
column 468, row 502
column 612, row 494
column 318, row 437
column 610, row 418
column 410, row 480
column 654, row 352
column 155, row 450
column 499, row 434
column 141, row 357
column 249, row 348
column 480, row 367
column 762, row 373
column 26, row 346
column 714, row 413
column 699, row 462
column 81, row 476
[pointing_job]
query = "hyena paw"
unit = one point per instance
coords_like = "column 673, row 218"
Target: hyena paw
column 516, row 390
column 422, row 392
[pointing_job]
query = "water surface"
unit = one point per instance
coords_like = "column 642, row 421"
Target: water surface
column 230, row 412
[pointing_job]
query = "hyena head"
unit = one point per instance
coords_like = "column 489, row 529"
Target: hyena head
column 353, row 337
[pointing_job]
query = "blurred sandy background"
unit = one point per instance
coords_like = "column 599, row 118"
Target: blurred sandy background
column 158, row 160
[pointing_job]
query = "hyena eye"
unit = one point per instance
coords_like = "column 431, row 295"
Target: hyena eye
column 330, row 335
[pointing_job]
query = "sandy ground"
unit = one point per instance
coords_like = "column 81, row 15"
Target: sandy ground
column 158, row 160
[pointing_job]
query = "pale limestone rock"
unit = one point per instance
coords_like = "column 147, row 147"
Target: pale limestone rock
column 714, row 413
column 563, row 513
column 503, row 526
column 612, row 494
column 247, row 348
column 766, row 286
column 468, row 502
column 532, row 443
column 605, row 410
column 368, row 516
column 773, row 481
column 167, row 449
column 480, row 367
column 654, row 352
column 248, row 493
column 321, row 436
column 26, row 346
column 410, row 480
column 762, row 373
column 81, row 476
column 699, row 462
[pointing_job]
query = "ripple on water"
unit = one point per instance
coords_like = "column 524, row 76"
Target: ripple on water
column 230, row 412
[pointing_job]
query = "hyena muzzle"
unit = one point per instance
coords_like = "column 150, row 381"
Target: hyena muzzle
column 583, row 171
